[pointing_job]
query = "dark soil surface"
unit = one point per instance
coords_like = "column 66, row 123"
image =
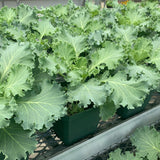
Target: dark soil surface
column 49, row 144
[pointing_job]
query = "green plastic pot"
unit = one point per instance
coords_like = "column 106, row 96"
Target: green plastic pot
column 71, row 129
column 125, row 113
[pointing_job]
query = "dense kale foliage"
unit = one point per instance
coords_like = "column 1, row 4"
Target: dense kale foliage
column 147, row 146
column 72, row 57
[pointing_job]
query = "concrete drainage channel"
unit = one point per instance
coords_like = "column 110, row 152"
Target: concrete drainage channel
column 98, row 144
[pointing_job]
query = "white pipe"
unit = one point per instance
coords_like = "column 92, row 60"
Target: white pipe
column 86, row 150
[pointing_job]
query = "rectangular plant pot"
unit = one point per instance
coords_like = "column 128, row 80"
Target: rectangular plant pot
column 71, row 129
column 125, row 113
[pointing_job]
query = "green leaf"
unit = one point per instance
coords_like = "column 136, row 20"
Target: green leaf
column 15, row 54
column 88, row 92
column 117, row 155
column 144, row 73
column 128, row 93
column 26, row 15
column 60, row 10
column 156, row 24
column 82, row 62
column 77, row 72
column 96, row 38
column 66, row 52
column 141, row 50
column 81, row 20
column 107, row 110
column 93, row 8
column 78, row 42
column 110, row 56
column 44, row 28
column 15, row 142
column 75, row 76
column 95, row 25
column 6, row 111
column 52, row 64
column 48, row 64
column 16, row 33
column 155, row 54
column 125, row 34
column 110, row 18
column 147, row 142
column 18, row 81
column 134, row 17
column 40, row 110
column 131, row 5
column 8, row 14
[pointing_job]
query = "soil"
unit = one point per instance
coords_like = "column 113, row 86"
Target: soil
column 49, row 144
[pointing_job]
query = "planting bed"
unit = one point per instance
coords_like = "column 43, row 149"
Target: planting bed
column 50, row 145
